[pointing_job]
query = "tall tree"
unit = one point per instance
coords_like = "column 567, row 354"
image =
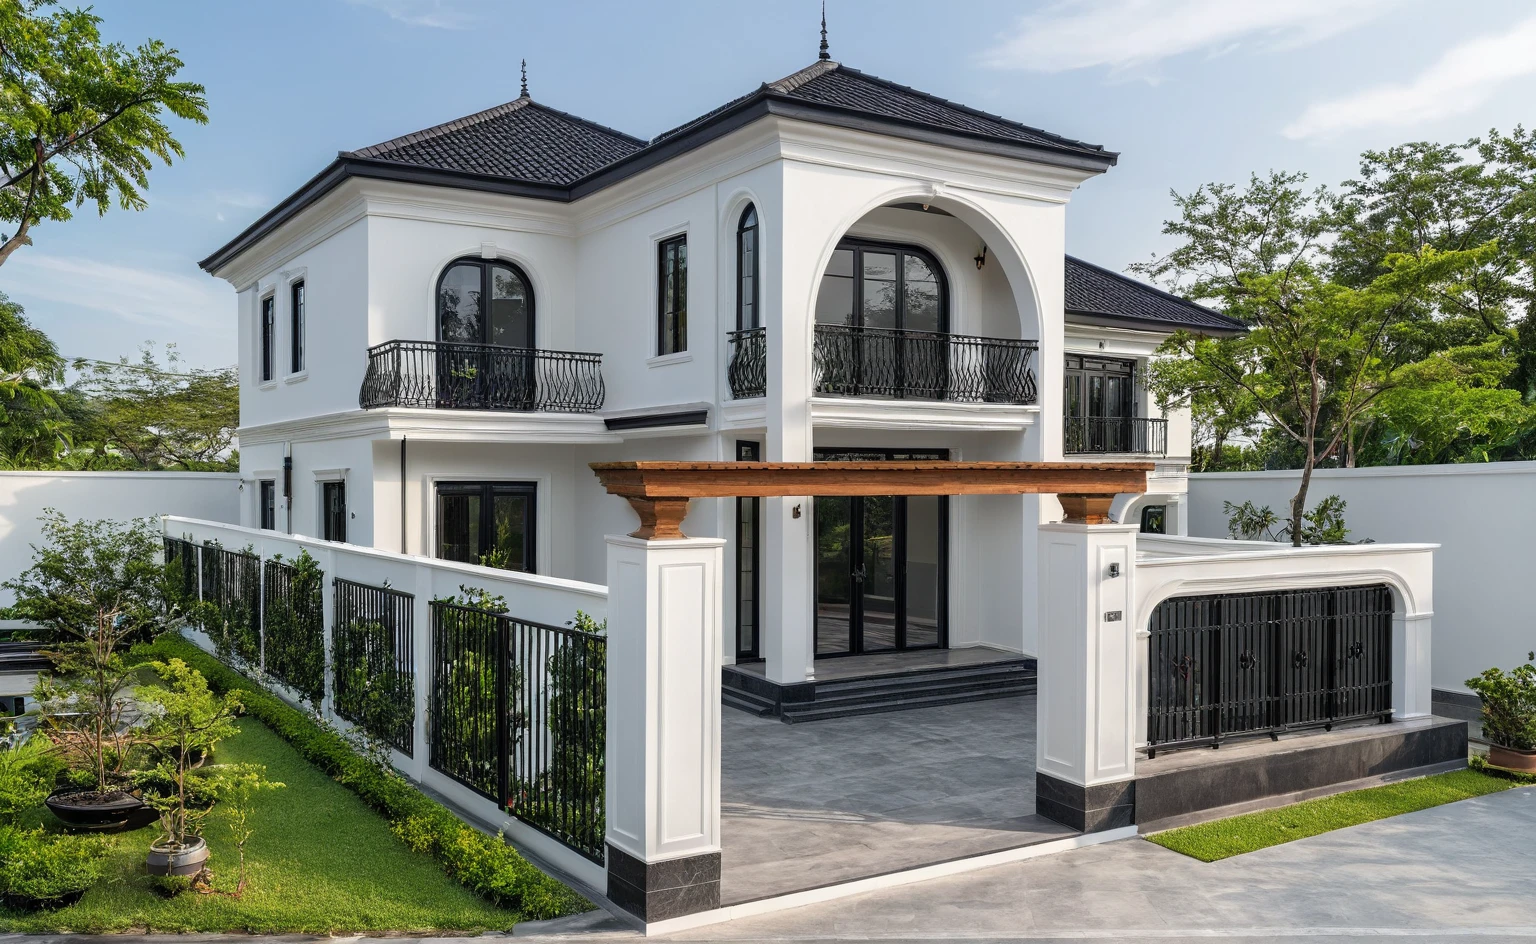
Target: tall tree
column 80, row 119
column 1315, row 357
column 145, row 415
column 33, row 428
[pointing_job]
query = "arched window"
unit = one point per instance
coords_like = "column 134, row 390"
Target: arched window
column 882, row 285
column 463, row 316
column 748, row 313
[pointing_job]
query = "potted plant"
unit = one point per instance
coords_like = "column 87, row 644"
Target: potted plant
column 1509, row 715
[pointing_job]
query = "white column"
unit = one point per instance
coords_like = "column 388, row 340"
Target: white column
column 421, row 657
column 1411, row 695
column 788, row 630
column 663, row 747
column 1085, row 752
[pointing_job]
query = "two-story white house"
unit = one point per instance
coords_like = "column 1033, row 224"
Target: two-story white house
column 439, row 332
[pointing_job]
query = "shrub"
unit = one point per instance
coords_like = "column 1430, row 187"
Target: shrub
column 484, row 864
column 1509, row 705
column 294, row 625
column 39, row 868
column 26, row 774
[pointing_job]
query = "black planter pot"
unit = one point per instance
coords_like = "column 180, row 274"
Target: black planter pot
column 186, row 859
column 80, row 810
column 23, row 903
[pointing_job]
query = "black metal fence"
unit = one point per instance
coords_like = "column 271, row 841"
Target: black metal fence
column 1242, row 664
column 449, row 375
column 232, row 584
column 293, row 625
column 372, row 662
column 182, row 563
column 1137, row 435
column 747, row 371
column 923, row 365
column 518, row 716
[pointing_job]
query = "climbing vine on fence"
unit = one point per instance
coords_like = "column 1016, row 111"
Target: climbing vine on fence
column 372, row 658
column 293, row 625
column 231, row 607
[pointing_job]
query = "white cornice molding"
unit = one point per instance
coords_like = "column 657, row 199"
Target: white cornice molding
column 333, row 213
column 908, row 414
column 422, row 425
column 744, row 414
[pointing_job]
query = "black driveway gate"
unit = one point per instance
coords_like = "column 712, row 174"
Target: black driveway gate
column 1232, row 665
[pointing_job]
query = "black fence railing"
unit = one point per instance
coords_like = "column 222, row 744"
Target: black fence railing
column 372, row 662
column 1242, row 664
column 455, row 376
column 1136, row 435
column 293, row 625
column 232, row 584
column 922, row 365
column 518, row 717
column 747, row 370
column 182, row 562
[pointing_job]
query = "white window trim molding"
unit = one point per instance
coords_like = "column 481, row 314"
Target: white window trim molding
column 270, row 291
column 291, row 277
column 667, row 360
column 331, row 475
column 657, row 238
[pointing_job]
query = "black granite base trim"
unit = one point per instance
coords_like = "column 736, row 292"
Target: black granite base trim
column 1294, row 766
column 1087, row 809
column 671, row 888
column 1463, row 700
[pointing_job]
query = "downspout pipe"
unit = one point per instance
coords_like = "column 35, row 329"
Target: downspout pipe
column 403, row 548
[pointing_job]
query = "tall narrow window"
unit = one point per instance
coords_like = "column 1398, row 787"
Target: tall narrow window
column 296, row 326
column 266, row 499
column 487, row 523
column 333, row 511
column 268, row 337
column 747, row 314
column 672, row 303
column 748, row 557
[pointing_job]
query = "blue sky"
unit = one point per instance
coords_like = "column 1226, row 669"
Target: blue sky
column 1188, row 91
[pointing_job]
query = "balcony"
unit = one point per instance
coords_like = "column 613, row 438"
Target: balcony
column 887, row 363
column 455, row 376
column 1120, row 435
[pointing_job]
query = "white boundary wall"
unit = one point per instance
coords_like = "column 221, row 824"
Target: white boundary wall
column 1483, row 516
column 549, row 600
column 214, row 496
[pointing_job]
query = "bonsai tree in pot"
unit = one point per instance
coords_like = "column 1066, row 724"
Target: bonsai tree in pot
column 185, row 720
column 1509, row 714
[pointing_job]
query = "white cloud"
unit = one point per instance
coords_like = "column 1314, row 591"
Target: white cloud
column 151, row 297
column 438, row 14
column 1125, row 35
column 1463, row 78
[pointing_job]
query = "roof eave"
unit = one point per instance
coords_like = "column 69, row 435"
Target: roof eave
column 1105, row 319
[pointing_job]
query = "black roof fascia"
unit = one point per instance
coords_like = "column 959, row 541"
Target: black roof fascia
column 1106, row 319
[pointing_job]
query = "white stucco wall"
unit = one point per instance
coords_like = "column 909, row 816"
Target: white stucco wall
column 1482, row 516
column 97, row 495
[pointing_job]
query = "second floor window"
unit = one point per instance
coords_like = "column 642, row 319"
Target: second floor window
column 672, row 292
column 875, row 285
column 296, row 325
column 268, row 337
column 485, row 301
column 747, row 314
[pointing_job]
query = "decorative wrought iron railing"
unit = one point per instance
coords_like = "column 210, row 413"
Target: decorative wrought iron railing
column 232, row 584
column 1247, row 664
column 1134, row 435
column 922, row 365
column 747, row 370
column 453, row 376
column 293, row 625
column 373, row 667
column 518, row 717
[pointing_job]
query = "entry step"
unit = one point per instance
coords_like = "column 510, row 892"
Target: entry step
column 921, row 687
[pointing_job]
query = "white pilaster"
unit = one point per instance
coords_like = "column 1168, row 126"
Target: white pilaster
column 663, row 751
column 1085, row 733
column 1411, row 695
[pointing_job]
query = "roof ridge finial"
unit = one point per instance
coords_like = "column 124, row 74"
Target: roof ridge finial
column 823, row 54
column 525, row 78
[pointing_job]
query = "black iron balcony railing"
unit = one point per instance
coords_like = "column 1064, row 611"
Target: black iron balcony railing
column 882, row 362
column 453, row 376
column 1135, row 435
column 748, row 367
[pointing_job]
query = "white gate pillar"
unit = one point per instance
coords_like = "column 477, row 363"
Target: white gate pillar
column 1085, row 740
column 663, row 746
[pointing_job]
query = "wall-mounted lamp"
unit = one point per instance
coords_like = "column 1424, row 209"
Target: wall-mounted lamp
column 795, row 512
column 1114, row 570
column 981, row 257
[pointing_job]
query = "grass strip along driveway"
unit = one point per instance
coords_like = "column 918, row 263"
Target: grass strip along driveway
column 1223, row 838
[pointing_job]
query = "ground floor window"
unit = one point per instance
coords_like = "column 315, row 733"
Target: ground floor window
column 749, row 513
column 333, row 511
column 266, row 502
column 487, row 523
column 1154, row 519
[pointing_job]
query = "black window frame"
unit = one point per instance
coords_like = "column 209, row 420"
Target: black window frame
column 858, row 246
column 333, row 525
column 485, row 266
column 268, row 338
column 296, row 327
column 749, row 451
column 266, row 504
column 1154, row 519
column 487, row 491
column 672, row 265
column 1085, row 366
column 745, row 230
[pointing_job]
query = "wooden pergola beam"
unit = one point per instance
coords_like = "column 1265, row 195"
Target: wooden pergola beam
column 659, row 490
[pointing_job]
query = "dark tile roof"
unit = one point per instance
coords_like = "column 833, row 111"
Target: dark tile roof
column 1094, row 293
column 521, row 140
column 829, row 84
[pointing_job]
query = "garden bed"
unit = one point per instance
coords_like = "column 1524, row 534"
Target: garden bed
column 320, row 862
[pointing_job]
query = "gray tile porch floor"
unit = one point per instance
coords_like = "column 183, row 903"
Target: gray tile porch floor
column 814, row 804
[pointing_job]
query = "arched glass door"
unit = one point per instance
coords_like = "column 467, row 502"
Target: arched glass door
column 485, row 330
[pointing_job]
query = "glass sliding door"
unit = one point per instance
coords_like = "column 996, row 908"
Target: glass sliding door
column 487, row 523
column 834, row 575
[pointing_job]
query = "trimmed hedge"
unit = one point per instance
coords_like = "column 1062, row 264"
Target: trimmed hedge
column 482, row 863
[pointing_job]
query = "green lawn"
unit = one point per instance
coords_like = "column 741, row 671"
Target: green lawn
column 320, row 862
column 1229, row 837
